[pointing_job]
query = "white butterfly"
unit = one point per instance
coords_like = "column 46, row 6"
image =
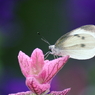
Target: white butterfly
column 78, row 44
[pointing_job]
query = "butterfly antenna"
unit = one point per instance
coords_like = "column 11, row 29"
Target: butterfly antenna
column 43, row 39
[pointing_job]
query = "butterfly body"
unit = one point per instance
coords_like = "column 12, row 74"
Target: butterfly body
column 78, row 44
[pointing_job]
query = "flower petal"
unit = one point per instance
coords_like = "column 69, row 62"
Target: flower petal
column 37, row 59
column 51, row 69
column 64, row 92
column 31, row 65
column 22, row 93
column 24, row 62
column 36, row 87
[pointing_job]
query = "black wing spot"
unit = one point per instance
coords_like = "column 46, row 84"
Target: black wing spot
column 83, row 37
column 77, row 35
column 82, row 45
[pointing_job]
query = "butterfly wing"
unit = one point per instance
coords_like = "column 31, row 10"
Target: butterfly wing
column 78, row 44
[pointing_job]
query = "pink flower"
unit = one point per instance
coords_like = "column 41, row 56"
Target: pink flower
column 40, row 72
column 23, row 93
column 64, row 92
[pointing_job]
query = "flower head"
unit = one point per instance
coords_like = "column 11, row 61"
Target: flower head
column 39, row 72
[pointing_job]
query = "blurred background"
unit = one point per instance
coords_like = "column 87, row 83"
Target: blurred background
column 20, row 20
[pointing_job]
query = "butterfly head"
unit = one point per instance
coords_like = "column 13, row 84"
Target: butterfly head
column 53, row 50
column 51, row 47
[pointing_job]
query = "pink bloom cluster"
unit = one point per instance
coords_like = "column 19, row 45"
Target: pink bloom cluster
column 39, row 73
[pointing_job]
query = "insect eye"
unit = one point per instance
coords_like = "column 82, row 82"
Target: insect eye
column 49, row 48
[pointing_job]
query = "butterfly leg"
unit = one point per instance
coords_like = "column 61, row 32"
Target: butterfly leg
column 55, row 56
column 47, row 54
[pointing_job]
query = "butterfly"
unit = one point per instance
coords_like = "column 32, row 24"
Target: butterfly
column 78, row 43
